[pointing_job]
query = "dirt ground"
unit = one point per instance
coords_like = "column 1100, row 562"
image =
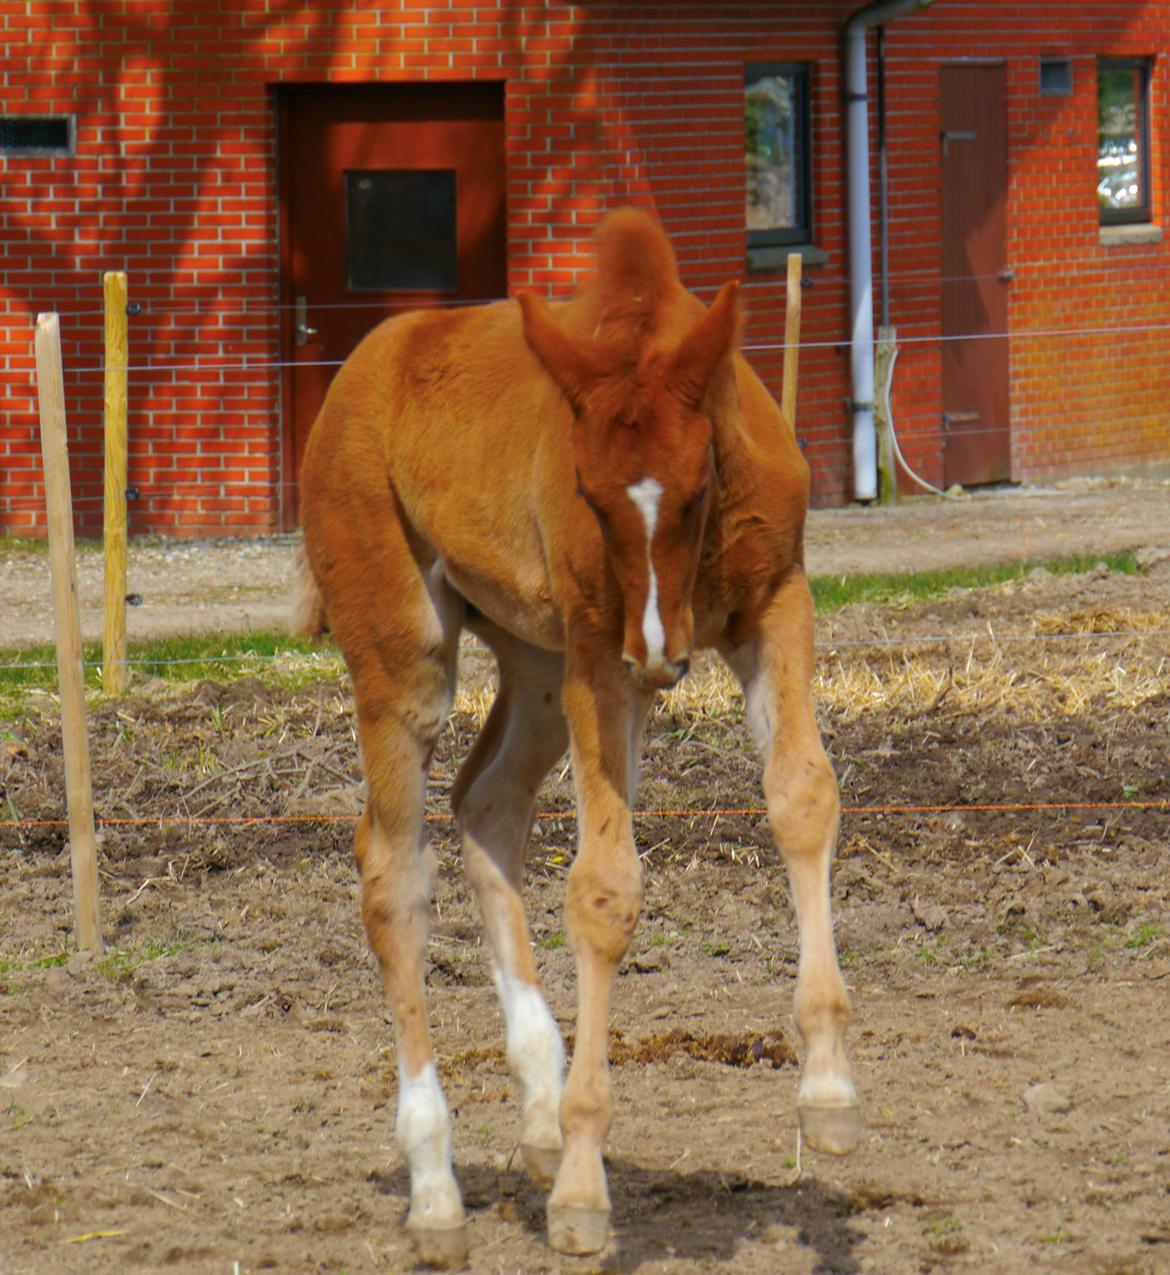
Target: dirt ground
column 217, row 1093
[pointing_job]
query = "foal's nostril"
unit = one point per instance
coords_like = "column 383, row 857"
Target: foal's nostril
column 684, row 667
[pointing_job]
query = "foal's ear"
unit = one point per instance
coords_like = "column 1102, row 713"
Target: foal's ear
column 710, row 340
column 574, row 367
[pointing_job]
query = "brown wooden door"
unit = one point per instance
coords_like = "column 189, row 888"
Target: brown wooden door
column 976, row 424
column 392, row 198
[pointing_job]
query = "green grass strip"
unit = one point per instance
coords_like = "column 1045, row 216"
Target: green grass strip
column 831, row 593
column 185, row 658
column 274, row 656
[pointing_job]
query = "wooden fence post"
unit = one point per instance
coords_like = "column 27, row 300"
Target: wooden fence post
column 883, row 370
column 791, row 341
column 70, row 673
column 114, row 505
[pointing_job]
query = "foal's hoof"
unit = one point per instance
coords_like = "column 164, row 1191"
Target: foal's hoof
column 542, row 1163
column 836, row 1130
column 576, row 1230
column 444, row 1246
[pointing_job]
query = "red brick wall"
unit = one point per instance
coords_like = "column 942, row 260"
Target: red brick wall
column 174, row 181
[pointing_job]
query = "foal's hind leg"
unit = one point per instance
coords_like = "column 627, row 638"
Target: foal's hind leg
column 801, row 790
column 399, row 633
column 494, row 800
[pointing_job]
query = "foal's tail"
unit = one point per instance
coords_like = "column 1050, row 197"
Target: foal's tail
column 307, row 617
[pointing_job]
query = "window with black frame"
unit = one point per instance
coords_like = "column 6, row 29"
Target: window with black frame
column 1123, row 140
column 777, row 146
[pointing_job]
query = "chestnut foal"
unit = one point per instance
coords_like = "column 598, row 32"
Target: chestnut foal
column 596, row 489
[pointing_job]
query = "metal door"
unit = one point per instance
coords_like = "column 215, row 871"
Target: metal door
column 391, row 198
column 976, row 424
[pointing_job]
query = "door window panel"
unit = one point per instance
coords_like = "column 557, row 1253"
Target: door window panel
column 400, row 230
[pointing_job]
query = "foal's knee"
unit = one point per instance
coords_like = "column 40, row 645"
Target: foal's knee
column 602, row 909
column 803, row 803
column 396, row 887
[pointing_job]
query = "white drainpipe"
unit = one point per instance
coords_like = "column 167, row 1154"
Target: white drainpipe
column 860, row 250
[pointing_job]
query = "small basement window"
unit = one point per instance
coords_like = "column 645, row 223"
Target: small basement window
column 1056, row 77
column 36, row 135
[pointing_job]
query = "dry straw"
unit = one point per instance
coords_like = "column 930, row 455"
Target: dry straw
column 958, row 676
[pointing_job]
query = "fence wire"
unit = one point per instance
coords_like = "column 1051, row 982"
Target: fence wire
column 569, row 814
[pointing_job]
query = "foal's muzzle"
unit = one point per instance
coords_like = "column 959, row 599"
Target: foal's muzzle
column 656, row 677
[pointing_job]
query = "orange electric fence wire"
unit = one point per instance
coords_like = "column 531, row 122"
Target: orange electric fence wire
column 992, row 808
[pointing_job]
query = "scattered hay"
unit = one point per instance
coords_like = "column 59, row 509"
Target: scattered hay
column 963, row 675
column 1039, row 998
column 490, row 1059
column 993, row 680
column 1098, row 620
column 710, row 690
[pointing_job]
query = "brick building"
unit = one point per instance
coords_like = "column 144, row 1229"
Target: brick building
column 275, row 176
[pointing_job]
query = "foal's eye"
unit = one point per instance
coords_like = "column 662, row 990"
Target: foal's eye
column 696, row 501
column 593, row 505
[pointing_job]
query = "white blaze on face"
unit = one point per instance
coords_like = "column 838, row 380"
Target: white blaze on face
column 645, row 496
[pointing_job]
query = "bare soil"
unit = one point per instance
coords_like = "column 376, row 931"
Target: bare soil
column 220, row 1088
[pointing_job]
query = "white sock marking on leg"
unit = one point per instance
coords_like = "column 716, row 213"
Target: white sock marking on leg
column 536, row 1056
column 645, row 496
column 423, row 1132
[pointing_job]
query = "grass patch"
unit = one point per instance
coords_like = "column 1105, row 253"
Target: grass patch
column 15, row 545
column 274, row 656
column 14, row 964
column 831, row 593
column 1145, row 934
column 16, row 1116
column 973, row 959
column 120, row 963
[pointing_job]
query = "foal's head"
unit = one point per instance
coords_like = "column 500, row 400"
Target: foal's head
column 642, row 447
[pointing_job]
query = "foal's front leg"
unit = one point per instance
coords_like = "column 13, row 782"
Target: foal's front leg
column 775, row 667
column 605, row 713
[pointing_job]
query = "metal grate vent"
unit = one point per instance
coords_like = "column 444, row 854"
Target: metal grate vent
column 36, row 135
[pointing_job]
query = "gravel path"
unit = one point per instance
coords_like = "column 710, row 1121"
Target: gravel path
column 241, row 584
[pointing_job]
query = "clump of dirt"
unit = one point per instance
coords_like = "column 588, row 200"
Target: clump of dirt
column 732, row 1051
